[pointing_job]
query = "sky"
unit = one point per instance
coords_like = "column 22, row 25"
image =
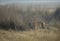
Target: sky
column 30, row 1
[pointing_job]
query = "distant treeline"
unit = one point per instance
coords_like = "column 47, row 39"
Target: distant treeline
column 14, row 17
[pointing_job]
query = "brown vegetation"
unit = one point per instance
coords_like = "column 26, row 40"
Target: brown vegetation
column 20, row 18
column 29, row 24
column 41, row 35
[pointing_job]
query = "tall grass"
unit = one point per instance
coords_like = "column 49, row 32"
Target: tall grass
column 41, row 35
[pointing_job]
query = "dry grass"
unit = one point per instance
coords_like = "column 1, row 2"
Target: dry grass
column 41, row 35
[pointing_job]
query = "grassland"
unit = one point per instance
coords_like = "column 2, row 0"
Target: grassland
column 14, row 17
column 33, row 35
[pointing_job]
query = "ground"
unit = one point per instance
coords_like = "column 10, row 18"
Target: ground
column 33, row 35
